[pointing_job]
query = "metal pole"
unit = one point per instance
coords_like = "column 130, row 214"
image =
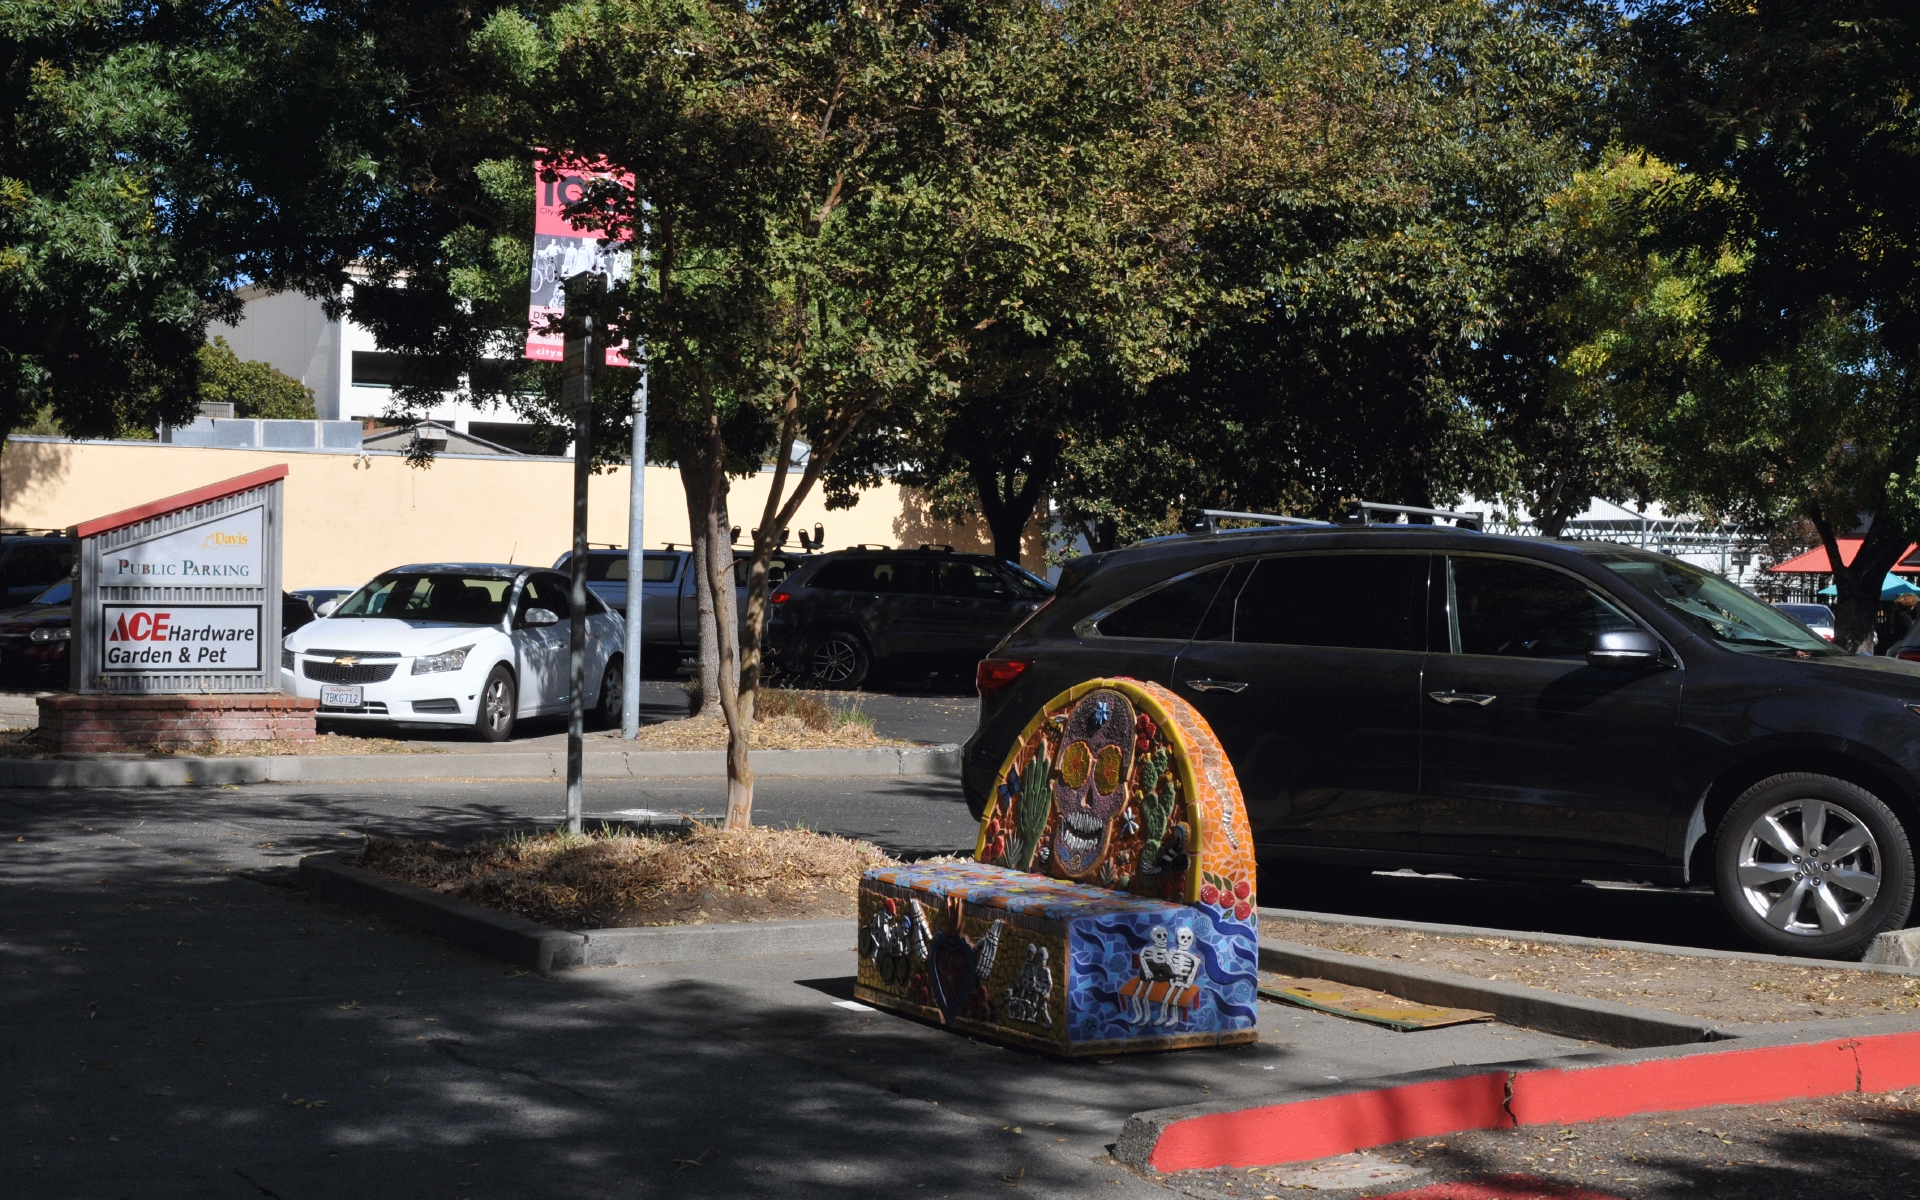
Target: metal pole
column 583, row 351
column 636, row 541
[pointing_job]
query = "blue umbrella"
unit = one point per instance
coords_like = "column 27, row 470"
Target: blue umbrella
column 1893, row 587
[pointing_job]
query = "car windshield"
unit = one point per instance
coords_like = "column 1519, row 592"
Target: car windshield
column 448, row 599
column 1715, row 608
column 59, row 593
column 1807, row 614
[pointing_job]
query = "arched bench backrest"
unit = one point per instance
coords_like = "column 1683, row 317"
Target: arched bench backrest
column 1121, row 784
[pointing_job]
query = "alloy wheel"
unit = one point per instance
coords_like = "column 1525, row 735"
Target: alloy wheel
column 495, row 704
column 1809, row 867
column 835, row 661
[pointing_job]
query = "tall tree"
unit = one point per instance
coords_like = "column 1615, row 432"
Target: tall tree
column 1799, row 142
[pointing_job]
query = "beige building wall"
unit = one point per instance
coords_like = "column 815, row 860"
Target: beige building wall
column 351, row 516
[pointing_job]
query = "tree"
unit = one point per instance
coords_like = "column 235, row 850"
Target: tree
column 255, row 389
column 1797, row 141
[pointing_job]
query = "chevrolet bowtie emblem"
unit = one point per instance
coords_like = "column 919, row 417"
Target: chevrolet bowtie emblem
column 346, row 660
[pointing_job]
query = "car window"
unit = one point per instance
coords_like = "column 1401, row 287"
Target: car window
column 971, row 581
column 447, row 598
column 1808, row 614
column 1713, row 607
column 59, row 593
column 544, row 591
column 38, row 563
column 1356, row 601
column 778, row 568
column 865, row 574
column 612, row 568
column 1170, row 612
column 1515, row 609
column 1025, row 583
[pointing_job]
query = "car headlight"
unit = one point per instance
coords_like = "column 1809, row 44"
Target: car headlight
column 286, row 660
column 52, row 635
column 452, row 660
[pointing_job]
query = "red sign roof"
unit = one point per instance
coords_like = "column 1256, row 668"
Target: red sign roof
column 1815, row 561
column 199, row 495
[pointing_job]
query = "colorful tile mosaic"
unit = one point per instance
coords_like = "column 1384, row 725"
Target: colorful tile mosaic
column 1111, row 906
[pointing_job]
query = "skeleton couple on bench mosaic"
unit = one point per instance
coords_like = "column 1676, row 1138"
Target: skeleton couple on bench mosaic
column 1110, row 906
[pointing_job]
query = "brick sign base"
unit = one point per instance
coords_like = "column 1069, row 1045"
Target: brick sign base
column 93, row 724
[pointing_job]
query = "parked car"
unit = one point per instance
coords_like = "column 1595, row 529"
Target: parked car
column 1444, row 700
column 475, row 644
column 31, row 563
column 672, row 626
column 840, row 617
column 35, row 637
column 1817, row 617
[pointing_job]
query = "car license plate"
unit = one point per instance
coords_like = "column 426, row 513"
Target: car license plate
column 342, row 697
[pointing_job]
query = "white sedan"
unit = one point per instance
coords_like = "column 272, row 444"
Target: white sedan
column 473, row 644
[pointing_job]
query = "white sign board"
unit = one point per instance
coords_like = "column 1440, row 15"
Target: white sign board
column 162, row 637
column 227, row 552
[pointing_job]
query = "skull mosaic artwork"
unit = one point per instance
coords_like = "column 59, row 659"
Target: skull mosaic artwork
column 1089, row 780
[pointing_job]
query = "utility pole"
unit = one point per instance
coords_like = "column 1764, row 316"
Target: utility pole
column 584, row 348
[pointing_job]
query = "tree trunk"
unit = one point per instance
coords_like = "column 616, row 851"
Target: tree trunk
column 1857, row 584
column 1009, row 507
column 693, row 482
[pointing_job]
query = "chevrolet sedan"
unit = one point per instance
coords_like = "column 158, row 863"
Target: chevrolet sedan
column 479, row 645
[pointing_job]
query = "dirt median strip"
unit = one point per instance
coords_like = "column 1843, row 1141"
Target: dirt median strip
column 1715, row 989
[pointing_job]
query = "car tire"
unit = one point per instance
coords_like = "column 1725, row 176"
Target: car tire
column 606, row 714
column 499, row 700
column 1823, row 904
column 838, row 661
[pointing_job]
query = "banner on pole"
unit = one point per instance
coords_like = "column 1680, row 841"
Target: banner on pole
column 561, row 251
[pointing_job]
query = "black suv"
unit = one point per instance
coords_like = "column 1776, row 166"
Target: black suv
column 840, row 617
column 1443, row 700
column 30, row 564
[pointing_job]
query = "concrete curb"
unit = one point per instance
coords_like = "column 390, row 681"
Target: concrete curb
column 1556, row 1091
column 536, row 947
column 1511, row 1003
column 1884, row 955
column 937, row 761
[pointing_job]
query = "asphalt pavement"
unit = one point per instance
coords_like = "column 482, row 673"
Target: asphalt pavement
column 179, row 1022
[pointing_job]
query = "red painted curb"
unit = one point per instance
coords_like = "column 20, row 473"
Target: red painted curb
column 1310, row 1129
column 1500, row 1187
column 1303, row 1130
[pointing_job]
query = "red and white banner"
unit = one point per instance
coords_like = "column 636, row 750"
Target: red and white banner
column 560, row 251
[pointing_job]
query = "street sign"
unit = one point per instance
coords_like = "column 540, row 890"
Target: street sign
column 183, row 594
column 560, row 252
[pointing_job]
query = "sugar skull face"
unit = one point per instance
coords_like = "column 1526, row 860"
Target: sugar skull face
column 1159, row 935
column 1090, row 779
column 1184, row 940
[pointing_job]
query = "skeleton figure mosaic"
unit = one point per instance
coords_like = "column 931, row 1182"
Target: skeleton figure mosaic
column 1110, row 906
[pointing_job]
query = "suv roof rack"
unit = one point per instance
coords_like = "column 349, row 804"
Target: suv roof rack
column 1363, row 511
column 1211, row 518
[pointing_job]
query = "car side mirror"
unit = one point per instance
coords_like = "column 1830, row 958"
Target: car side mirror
column 1626, row 649
column 326, row 608
column 539, row 616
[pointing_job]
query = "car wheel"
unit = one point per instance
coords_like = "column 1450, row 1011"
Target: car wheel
column 1813, row 865
column 606, row 714
column 838, row 661
column 499, row 699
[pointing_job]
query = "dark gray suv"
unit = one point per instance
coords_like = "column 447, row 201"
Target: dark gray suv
column 1438, row 699
column 841, row 617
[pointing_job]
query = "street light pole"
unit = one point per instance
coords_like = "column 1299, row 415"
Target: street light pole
column 636, row 537
column 582, row 354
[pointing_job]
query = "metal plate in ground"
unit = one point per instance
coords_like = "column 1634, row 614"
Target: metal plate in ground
column 1364, row 1004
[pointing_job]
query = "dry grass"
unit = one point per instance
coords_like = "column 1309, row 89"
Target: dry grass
column 783, row 720
column 22, row 743
column 614, row 877
column 1718, row 989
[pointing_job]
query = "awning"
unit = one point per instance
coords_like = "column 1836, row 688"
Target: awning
column 1893, row 588
column 1815, row 562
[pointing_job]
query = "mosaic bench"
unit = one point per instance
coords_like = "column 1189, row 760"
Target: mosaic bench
column 1110, row 906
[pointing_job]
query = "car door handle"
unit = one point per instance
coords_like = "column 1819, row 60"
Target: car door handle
column 1481, row 698
column 1216, row 685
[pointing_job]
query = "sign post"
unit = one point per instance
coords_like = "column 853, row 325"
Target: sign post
column 585, row 344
